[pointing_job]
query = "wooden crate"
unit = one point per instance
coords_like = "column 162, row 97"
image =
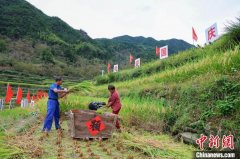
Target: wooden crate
column 89, row 124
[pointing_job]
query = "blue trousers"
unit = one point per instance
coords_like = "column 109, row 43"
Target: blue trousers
column 53, row 111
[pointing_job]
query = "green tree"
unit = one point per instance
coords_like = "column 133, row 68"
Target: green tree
column 3, row 45
column 47, row 56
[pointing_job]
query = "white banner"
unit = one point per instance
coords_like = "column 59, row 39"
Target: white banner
column 211, row 33
column 137, row 63
column 24, row 103
column 115, row 68
column 164, row 52
column 1, row 104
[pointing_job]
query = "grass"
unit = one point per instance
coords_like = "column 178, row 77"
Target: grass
column 8, row 120
column 201, row 91
column 132, row 108
column 157, row 145
column 187, row 57
column 136, row 116
column 23, row 84
column 221, row 63
column 204, row 92
column 131, row 143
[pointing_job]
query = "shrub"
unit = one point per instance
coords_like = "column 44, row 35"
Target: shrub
column 47, row 56
column 3, row 45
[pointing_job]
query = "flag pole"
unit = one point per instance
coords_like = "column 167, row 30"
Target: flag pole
column 7, row 87
column 102, row 72
column 6, row 93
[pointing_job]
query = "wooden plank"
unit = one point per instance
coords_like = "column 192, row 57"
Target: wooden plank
column 79, row 118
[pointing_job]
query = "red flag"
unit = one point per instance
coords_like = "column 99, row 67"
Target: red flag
column 9, row 94
column 28, row 96
column 45, row 94
column 19, row 96
column 109, row 67
column 194, row 35
column 131, row 58
column 39, row 94
column 157, row 51
column 34, row 97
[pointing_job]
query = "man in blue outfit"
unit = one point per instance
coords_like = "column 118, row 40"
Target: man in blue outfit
column 53, row 111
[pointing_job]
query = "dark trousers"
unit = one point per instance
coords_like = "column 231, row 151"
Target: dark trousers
column 117, row 122
column 53, row 111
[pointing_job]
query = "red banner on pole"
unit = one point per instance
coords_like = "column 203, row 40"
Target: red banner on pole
column 109, row 68
column 157, row 51
column 19, row 96
column 194, row 35
column 131, row 58
column 9, row 94
column 28, row 96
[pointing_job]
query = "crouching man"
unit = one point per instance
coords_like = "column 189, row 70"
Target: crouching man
column 114, row 102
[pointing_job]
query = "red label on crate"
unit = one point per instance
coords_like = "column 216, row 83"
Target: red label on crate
column 95, row 125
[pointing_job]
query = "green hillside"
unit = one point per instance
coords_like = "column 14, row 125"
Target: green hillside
column 32, row 42
column 139, row 47
column 20, row 19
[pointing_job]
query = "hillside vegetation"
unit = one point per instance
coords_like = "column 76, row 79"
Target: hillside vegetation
column 198, row 90
column 32, row 42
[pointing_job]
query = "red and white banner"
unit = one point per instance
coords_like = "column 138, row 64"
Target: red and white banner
column 164, row 52
column 115, row 68
column 211, row 33
column 137, row 63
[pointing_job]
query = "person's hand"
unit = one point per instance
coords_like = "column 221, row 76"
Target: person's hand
column 66, row 90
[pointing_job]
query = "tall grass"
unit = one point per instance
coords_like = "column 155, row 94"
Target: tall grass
column 8, row 119
column 220, row 63
column 156, row 145
column 142, row 113
column 232, row 37
column 196, row 93
column 171, row 63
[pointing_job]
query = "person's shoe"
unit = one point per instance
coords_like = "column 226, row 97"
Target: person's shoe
column 59, row 128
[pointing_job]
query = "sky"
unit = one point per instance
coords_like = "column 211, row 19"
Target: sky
column 160, row 19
